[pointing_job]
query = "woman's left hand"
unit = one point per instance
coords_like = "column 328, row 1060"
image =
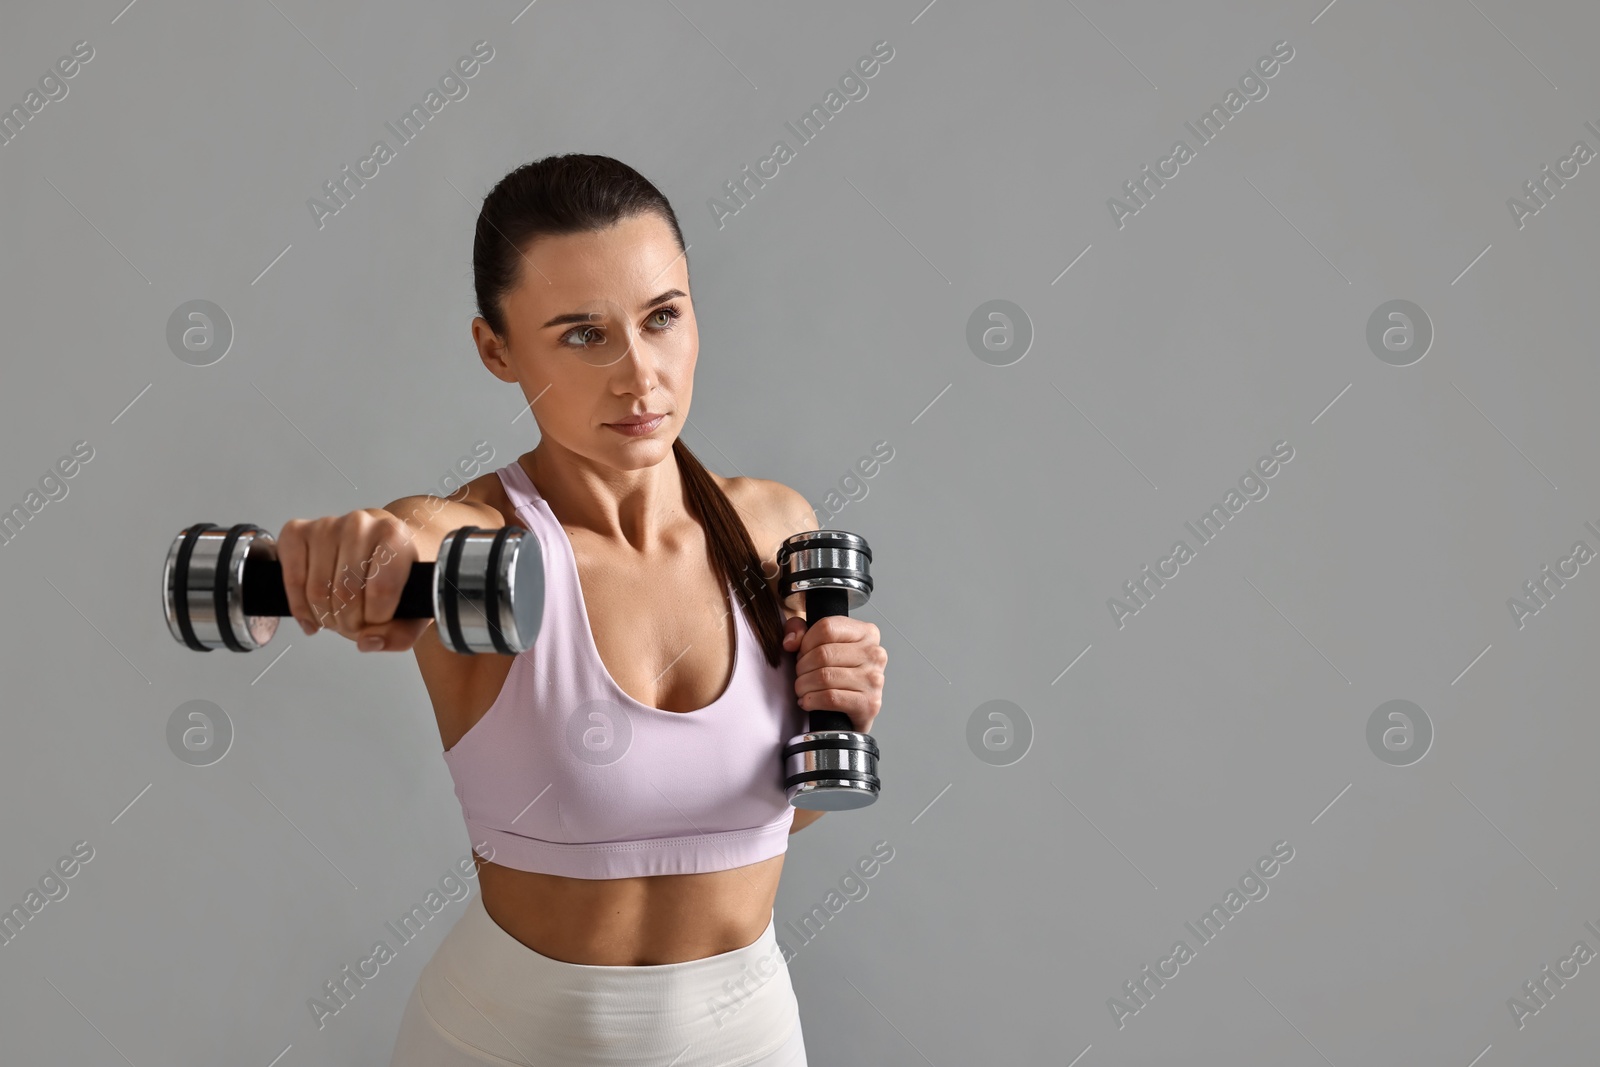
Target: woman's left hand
column 839, row 666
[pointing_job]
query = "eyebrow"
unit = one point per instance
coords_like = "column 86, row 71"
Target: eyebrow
column 589, row 316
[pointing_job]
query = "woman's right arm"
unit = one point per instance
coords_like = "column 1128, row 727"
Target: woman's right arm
column 345, row 572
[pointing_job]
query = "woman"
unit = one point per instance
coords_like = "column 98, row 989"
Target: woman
column 620, row 780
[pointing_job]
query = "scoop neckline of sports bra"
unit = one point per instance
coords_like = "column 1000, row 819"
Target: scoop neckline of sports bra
column 538, row 501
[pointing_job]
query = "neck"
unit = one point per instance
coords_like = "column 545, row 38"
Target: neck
column 632, row 508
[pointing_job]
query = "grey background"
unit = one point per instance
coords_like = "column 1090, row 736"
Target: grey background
column 1228, row 314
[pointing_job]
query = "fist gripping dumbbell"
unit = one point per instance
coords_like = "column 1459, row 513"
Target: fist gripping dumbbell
column 833, row 766
column 223, row 588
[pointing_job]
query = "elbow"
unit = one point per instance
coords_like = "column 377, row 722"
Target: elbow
column 804, row 818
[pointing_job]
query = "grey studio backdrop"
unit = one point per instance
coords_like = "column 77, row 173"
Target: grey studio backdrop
column 1340, row 746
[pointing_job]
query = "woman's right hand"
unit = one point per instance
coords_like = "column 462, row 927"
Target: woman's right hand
column 345, row 573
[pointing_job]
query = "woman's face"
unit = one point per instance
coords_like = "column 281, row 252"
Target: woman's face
column 600, row 328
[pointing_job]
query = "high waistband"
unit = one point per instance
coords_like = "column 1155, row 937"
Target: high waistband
column 495, row 993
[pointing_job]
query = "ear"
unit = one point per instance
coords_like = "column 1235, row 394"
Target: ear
column 491, row 350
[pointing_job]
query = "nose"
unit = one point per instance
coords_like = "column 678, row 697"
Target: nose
column 635, row 371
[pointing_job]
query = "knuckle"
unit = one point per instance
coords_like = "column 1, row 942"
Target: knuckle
column 395, row 526
column 387, row 569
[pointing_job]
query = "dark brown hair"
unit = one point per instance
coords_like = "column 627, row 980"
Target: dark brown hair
column 575, row 194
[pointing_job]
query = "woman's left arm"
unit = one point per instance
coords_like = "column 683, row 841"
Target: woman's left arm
column 839, row 664
column 840, row 661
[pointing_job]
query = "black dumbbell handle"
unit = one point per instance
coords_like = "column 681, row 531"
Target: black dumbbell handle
column 264, row 594
column 820, row 603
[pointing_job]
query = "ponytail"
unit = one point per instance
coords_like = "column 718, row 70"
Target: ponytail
column 731, row 551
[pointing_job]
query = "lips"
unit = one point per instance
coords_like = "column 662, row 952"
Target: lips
column 638, row 425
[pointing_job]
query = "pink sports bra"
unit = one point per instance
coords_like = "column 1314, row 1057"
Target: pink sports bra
column 566, row 774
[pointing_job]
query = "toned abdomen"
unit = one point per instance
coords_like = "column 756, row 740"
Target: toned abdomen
column 627, row 922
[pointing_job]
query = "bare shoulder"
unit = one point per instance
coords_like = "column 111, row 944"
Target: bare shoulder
column 488, row 494
column 771, row 511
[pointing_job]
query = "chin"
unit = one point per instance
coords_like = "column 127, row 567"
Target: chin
column 645, row 452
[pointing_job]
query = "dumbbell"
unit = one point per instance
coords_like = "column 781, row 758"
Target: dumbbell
column 833, row 766
column 223, row 588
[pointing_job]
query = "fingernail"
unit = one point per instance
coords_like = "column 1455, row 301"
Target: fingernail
column 370, row 643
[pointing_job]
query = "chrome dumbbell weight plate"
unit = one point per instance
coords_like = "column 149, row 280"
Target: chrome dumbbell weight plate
column 489, row 596
column 202, row 585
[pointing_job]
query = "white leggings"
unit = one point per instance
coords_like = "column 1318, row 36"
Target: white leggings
column 486, row 998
